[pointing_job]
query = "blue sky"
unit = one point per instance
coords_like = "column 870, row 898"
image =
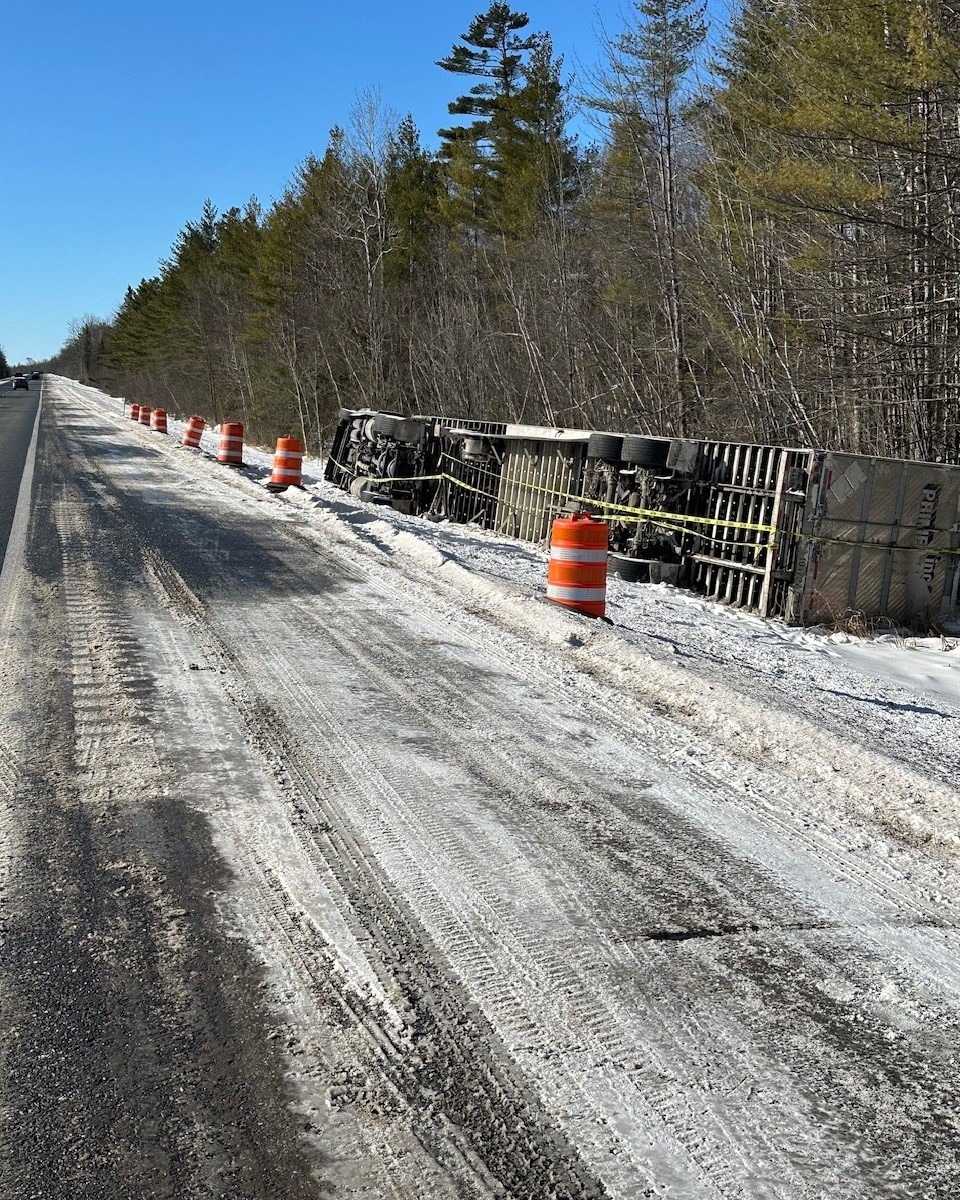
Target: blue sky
column 119, row 118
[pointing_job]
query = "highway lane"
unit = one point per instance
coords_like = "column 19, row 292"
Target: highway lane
column 18, row 413
column 136, row 1049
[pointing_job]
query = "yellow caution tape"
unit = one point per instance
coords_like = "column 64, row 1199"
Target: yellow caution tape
column 660, row 517
column 640, row 513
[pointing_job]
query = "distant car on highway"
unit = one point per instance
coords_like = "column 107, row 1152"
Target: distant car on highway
column 21, row 381
column 35, row 375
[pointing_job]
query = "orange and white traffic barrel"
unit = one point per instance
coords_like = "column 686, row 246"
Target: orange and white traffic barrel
column 230, row 448
column 144, row 414
column 577, row 574
column 158, row 420
column 287, row 464
column 134, row 413
column 191, row 435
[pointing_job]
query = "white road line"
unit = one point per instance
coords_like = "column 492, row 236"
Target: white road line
column 16, row 543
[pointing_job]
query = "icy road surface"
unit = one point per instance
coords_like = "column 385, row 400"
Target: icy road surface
column 328, row 869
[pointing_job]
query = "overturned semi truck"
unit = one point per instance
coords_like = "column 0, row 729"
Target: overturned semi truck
column 809, row 536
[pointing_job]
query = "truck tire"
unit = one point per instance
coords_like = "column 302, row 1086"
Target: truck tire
column 605, row 446
column 630, row 570
column 646, row 451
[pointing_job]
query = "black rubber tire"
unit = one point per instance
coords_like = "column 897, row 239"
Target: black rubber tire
column 645, row 451
column 387, row 425
column 604, row 446
column 630, row 570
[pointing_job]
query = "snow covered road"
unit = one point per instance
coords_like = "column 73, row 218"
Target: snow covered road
column 329, row 871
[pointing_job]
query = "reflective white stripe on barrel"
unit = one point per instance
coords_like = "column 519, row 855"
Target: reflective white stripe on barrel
column 229, row 437
column 572, row 554
column 574, row 593
column 287, row 464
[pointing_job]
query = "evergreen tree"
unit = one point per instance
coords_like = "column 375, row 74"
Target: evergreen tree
column 496, row 52
column 645, row 97
column 775, row 261
column 4, row 365
column 301, row 286
column 536, row 166
column 413, row 202
column 837, row 132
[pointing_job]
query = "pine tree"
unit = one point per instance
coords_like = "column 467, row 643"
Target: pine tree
column 645, row 97
column 496, row 52
column 535, row 170
column 303, row 284
column 413, row 202
column 842, row 144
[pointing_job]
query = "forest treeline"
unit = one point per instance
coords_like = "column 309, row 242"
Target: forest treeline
column 765, row 249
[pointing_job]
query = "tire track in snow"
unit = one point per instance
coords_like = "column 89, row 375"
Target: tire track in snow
column 810, row 957
column 444, row 1057
column 259, row 652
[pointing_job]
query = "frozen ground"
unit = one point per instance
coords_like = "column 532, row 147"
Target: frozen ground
column 503, row 902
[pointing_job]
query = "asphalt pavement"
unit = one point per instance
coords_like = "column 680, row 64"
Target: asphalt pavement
column 18, row 412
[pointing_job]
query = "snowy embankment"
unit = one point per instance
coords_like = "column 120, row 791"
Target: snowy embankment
column 876, row 721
